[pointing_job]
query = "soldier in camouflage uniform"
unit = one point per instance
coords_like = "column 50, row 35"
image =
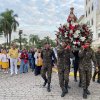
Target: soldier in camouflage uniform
column 98, row 63
column 86, row 54
column 47, row 55
column 63, row 67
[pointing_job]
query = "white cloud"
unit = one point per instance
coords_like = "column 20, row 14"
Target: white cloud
column 38, row 17
column 46, row 1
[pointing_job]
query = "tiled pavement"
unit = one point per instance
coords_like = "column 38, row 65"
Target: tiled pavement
column 29, row 87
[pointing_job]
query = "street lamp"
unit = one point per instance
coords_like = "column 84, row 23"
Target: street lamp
column 20, row 38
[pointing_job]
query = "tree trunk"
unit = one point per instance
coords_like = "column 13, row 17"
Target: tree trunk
column 9, row 39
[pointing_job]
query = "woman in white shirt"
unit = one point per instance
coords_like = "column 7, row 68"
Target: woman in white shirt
column 38, row 62
column 5, row 64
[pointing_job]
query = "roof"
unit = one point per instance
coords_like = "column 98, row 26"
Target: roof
column 82, row 16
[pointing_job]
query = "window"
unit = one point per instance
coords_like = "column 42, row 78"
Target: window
column 98, row 34
column 88, row 22
column 92, row 22
column 86, row 13
column 89, row 11
column 86, row 2
column 92, row 7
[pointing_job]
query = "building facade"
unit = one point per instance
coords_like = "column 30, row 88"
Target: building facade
column 92, row 16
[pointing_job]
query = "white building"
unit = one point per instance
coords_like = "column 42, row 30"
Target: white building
column 92, row 17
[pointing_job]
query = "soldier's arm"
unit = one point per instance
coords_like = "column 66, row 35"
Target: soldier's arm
column 71, row 54
column 94, row 58
column 81, row 53
column 60, row 51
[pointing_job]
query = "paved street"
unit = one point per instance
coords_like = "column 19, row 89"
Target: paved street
column 29, row 87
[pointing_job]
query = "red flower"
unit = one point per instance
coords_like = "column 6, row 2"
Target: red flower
column 71, row 27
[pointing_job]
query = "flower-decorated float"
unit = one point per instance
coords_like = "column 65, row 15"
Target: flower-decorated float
column 73, row 33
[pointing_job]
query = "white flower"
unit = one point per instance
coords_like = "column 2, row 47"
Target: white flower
column 74, row 42
column 78, row 43
column 71, row 39
column 71, row 31
column 82, row 38
column 76, row 35
column 77, row 32
column 66, row 34
column 67, row 24
column 74, row 24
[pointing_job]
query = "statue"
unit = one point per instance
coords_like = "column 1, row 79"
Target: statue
column 71, row 17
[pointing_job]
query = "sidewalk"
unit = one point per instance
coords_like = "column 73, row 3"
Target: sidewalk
column 29, row 87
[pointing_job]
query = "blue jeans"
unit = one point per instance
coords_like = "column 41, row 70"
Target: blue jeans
column 32, row 64
column 23, row 67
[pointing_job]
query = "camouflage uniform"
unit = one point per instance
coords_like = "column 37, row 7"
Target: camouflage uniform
column 98, row 63
column 85, row 66
column 63, row 67
column 47, row 64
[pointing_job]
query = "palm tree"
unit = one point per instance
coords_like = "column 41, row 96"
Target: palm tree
column 24, row 41
column 8, row 23
column 49, row 40
column 4, row 26
column 14, row 25
column 33, row 39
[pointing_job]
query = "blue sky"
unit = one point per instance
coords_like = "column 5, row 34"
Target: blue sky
column 41, row 16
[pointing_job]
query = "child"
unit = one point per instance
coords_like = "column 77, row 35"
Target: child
column 38, row 62
column 5, row 64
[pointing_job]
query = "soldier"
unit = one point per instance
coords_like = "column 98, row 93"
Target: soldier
column 63, row 67
column 76, row 66
column 47, row 54
column 98, row 63
column 85, row 66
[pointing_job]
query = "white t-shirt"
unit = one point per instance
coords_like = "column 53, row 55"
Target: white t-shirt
column 35, row 56
column 0, row 57
column 4, row 58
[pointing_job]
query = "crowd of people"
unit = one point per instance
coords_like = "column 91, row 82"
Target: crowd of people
column 20, row 61
column 43, row 59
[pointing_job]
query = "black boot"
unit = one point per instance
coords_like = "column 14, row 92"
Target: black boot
column 84, row 94
column 98, row 81
column 48, row 88
column 75, row 78
column 64, row 91
column 87, row 91
column 67, row 86
column 45, row 83
column 93, row 79
column 80, row 84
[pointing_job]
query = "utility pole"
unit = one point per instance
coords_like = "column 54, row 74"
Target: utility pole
column 20, row 38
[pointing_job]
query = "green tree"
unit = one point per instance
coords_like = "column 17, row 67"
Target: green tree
column 49, row 40
column 24, row 42
column 8, row 23
column 4, row 26
column 33, row 39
